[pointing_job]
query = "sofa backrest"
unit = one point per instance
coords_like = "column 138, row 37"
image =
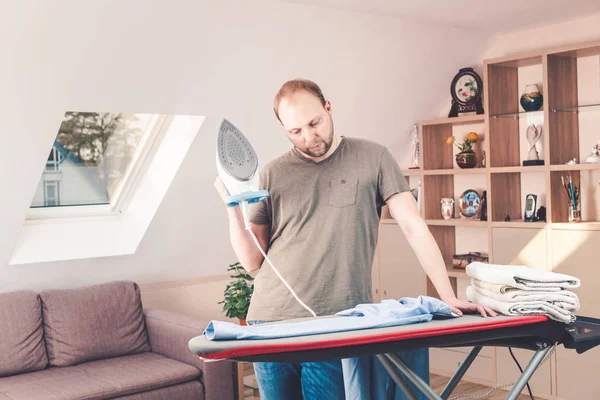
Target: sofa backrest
column 93, row 322
column 22, row 347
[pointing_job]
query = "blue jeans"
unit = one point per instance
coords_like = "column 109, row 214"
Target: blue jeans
column 303, row 380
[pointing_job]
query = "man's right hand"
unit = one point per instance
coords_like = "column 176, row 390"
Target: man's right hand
column 247, row 252
column 221, row 189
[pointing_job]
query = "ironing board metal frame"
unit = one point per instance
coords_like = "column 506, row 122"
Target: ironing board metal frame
column 519, row 385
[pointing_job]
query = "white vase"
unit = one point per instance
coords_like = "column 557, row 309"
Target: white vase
column 447, row 207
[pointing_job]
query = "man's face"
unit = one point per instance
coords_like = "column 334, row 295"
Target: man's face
column 307, row 123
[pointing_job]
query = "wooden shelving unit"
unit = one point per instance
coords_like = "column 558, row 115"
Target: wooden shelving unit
column 566, row 115
column 503, row 135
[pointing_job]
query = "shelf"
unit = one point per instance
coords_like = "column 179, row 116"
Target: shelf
column 541, row 168
column 412, row 172
column 457, row 273
column 455, row 171
column 465, row 119
column 457, row 222
column 575, row 109
column 519, row 224
column 577, row 226
column 574, row 167
column 531, row 168
column 518, row 114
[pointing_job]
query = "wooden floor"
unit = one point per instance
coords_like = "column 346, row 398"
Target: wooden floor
column 436, row 382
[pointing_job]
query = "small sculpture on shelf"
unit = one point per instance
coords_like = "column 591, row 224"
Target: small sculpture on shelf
column 414, row 148
column 594, row 156
column 483, row 159
column 483, row 208
column 532, row 99
column 534, row 133
column 541, row 214
column 466, row 158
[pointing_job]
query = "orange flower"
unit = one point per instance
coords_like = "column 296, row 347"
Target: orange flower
column 472, row 136
column 450, row 140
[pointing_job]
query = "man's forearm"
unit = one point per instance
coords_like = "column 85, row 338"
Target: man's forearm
column 245, row 249
column 432, row 262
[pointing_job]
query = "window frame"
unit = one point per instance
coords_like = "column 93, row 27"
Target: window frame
column 122, row 192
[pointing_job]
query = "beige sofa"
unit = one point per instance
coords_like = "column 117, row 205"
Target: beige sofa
column 98, row 342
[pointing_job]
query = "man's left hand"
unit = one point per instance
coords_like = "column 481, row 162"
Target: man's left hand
column 459, row 306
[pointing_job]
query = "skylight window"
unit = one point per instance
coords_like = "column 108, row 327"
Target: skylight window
column 92, row 159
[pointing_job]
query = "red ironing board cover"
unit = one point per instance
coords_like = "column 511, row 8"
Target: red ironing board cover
column 421, row 330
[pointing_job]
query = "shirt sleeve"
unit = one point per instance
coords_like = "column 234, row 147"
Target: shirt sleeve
column 391, row 178
column 260, row 212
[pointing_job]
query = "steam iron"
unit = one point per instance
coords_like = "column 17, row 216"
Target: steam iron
column 237, row 165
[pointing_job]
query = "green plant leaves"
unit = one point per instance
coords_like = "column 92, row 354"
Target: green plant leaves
column 237, row 293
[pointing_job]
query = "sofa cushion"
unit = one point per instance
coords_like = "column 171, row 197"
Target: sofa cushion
column 102, row 379
column 93, row 323
column 22, row 347
column 192, row 390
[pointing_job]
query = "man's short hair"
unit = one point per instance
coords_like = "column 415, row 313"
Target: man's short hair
column 296, row 85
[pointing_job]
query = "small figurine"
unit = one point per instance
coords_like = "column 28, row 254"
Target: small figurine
column 594, row 157
column 483, row 161
column 483, row 208
column 414, row 148
column 533, row 136
column 507, row 218
column 573, row 161
column 541, row 214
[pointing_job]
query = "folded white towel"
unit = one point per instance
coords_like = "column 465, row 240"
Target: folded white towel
column 521, row 308
column 520, row 276
column 563, row 298
column 493, row 286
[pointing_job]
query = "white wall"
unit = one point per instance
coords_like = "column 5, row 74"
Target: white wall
column 201, row 57
column 564, row 33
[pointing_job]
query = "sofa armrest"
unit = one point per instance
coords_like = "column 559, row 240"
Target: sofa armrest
column 169, row 336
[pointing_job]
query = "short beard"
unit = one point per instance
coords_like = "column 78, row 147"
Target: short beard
column 325, row 148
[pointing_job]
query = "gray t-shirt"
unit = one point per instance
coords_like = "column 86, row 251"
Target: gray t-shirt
column 324, row 221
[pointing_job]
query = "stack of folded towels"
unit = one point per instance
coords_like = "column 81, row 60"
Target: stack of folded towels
column 519, row 290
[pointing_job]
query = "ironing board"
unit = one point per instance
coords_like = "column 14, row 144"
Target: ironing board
column 538, row 333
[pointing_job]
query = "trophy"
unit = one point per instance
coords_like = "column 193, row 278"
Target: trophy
column 533, row 136
column 414, row 147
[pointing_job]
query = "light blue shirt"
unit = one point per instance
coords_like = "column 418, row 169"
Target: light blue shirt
column 405, row 311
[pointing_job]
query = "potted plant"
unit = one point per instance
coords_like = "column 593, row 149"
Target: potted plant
column 238, row 293
column 466, row 158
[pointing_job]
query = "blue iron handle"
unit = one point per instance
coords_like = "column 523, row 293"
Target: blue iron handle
column 250, row 197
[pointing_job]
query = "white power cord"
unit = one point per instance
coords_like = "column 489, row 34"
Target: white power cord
column 488, row 393
column 246, row 214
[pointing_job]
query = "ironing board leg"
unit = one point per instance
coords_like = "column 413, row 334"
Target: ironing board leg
column 414, row 378
column 460, row 372
column 389, row 367
column 534, row 363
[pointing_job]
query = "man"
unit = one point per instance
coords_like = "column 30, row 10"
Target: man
column 320, row 226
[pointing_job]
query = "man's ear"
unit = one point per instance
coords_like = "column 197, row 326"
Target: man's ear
column 327, row 105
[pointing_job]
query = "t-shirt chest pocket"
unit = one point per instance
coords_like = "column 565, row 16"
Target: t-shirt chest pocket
column 342, row 192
